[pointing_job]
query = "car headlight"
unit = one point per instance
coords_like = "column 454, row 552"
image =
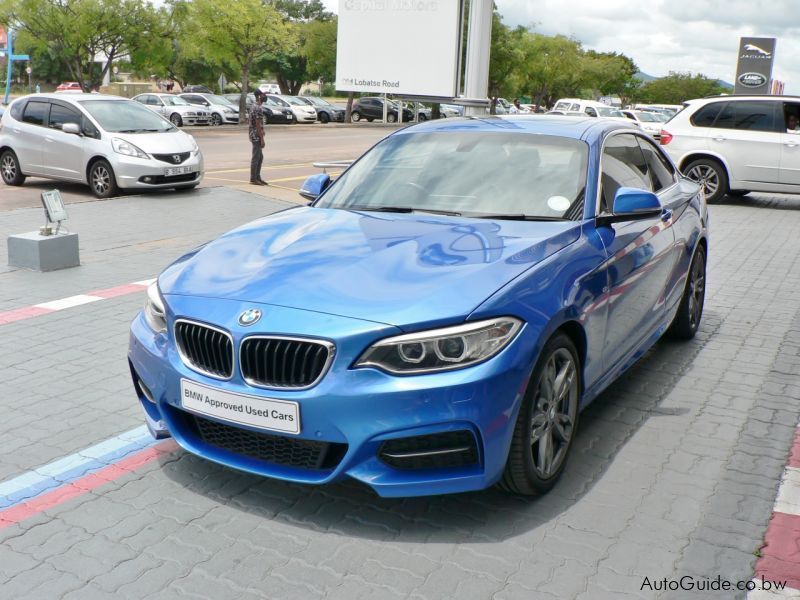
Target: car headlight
column 154, row 312
column 126, row 148
column 441, row 349
column 195, row 147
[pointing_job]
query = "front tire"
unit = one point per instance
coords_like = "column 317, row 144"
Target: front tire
column 355, row 116
column 10, row 169
column 102, row 180
column 690, row 311
column 324, row 117
column 216, row 120
column 391, row 118
column 176, row 120
column 711, row 175
column 547, row 421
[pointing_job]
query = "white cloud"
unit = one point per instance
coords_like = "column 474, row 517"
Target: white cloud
column 701, row 36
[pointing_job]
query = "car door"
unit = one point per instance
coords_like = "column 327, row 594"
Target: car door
column 790, row 147
column 29, row 137
column 746, row 135
column 640, row 254
column 63, row 153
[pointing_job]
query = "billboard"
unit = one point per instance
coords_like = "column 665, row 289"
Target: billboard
column 754, row 67
column 406, row 47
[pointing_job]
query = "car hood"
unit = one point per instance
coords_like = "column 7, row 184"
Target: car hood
column 397, row 269
column 182, row 109
column 159, row 143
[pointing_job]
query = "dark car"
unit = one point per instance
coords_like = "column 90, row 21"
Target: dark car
column 197, row 89
column 326, row 112
column 372, row 108
column 272, row 113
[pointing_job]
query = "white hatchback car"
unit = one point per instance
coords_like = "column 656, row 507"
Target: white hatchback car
column 107, row 142
column 736, row 144
column 304, row 113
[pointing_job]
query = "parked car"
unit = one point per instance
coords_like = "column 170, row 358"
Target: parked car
column 326, row 112
column 269, row 88
column 427, row 330
column 222, row 110
column 371, row 108
column 303, row 112
column 649, row 122
column 175, row 108
column 736, row 144
column 451, row 110
column 70, row 86
column 197, row 89
column 272, row 112
column 418, row 111
column 567, row 113
column 106, row 142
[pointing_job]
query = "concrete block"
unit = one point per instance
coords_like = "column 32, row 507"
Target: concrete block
column 43, row 252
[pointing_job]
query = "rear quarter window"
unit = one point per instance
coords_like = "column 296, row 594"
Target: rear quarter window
column 17, row 108
column 707, row 114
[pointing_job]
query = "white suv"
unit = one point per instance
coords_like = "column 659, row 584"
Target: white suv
column 736, row 144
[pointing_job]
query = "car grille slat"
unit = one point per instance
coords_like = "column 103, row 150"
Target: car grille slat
column 276, row 362
column 205, row 349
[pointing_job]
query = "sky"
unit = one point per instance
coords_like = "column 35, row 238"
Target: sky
column 699, row 36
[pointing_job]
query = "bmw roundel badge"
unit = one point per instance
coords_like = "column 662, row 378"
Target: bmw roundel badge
column 249, row 317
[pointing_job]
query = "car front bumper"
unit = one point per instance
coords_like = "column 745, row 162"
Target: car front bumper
column 359, row 412
column 140, row 174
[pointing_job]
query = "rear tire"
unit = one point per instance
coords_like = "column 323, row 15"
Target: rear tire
column 547, row 421
column 391, row 118
column 690, row 311
column 10, row 169
column 711, row 175
column 102, row 180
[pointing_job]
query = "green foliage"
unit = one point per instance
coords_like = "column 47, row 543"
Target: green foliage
column 302, row 10
column 675, row 88
column 320, row 49
column 504, row 59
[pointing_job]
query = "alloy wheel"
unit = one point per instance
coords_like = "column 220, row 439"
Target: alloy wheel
column 697, row 285
column 706, row 176
column 101, row 180
column 8, row 168
column 554, row 413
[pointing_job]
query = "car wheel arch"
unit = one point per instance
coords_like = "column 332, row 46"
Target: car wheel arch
column 90, row 164
column 708, row 156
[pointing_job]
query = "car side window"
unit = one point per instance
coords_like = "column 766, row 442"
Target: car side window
column 17, row 108
column 706, row 116
column 747, row 115
column 35, row 113
column 590, row 111
column 661, row 170
column 622, row 165
column 59, row 115
column 88, row 128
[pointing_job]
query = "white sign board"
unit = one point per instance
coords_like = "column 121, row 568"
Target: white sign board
column 407, row 47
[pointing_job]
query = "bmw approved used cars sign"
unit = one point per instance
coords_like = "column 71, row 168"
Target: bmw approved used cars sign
column 754, row 65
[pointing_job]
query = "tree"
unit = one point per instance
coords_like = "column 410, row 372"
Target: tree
column 550, row 67
column 320, row 49
column 302, row 10
column 237, row 32
column 504, row 59
column 609, row 73
column 675, row 88
column 87, row 35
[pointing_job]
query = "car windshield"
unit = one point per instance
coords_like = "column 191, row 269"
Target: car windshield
column 317, row 101
column 295, row 101
column 174, row 101
column 647, row 117
column 277, row 102
column 488, row 174
column 125, row 116
column 215, row 99
column 606, row 111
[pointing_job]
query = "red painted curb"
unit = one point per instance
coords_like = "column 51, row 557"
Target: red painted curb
column 780, row 556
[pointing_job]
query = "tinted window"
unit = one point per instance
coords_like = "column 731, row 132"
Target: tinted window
column 590, row 111
column 16, row 109
column 623, row 165
column 141, row 99
column 751, row 116
column 706, row 115
column 89, row 129
column 61, row 114
column 35, row 112
column 661, row 171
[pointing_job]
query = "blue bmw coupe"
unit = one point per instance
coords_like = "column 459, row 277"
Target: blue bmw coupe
column 437, row 318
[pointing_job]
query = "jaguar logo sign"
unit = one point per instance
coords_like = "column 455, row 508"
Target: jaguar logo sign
column 752, row 80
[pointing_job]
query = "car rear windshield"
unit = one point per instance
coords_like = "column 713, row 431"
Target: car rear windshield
column 125, row 116
column 174, row 101
column 471, row 173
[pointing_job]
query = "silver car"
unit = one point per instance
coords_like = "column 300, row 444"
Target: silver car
column 175, row 108
column 107, row 142
column 222, row 110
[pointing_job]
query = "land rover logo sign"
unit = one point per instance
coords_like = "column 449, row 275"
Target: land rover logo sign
column 752, row 80
column 249, row 317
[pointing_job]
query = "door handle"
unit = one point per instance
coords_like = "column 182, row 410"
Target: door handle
column 666, row 215
column 718, row 138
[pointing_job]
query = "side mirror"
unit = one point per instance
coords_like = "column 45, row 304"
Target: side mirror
column 314, row 186
column 631, row 204
column 72, row 128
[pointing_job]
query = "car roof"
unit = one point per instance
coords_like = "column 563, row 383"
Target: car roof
column 739, row 97
column 588, row 128
column 73, row 97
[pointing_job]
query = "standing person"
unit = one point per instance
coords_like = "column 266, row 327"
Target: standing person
column 256, row 132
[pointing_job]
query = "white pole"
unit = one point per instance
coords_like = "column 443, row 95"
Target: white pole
column 479, row 42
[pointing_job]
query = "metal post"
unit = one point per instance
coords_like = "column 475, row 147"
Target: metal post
column 479, row 42
column 385, row 108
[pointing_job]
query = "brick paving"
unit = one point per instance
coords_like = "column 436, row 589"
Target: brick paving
column 674, row 471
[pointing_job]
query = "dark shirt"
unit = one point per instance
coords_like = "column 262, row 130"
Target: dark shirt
column 256, row 115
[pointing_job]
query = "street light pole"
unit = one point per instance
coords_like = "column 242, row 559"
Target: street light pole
column 479, row 42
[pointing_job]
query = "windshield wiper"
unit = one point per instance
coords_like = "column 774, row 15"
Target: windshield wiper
column 519, row 217
column 403, row 209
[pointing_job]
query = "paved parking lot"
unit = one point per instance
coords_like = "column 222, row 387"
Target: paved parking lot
column 674, row 473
